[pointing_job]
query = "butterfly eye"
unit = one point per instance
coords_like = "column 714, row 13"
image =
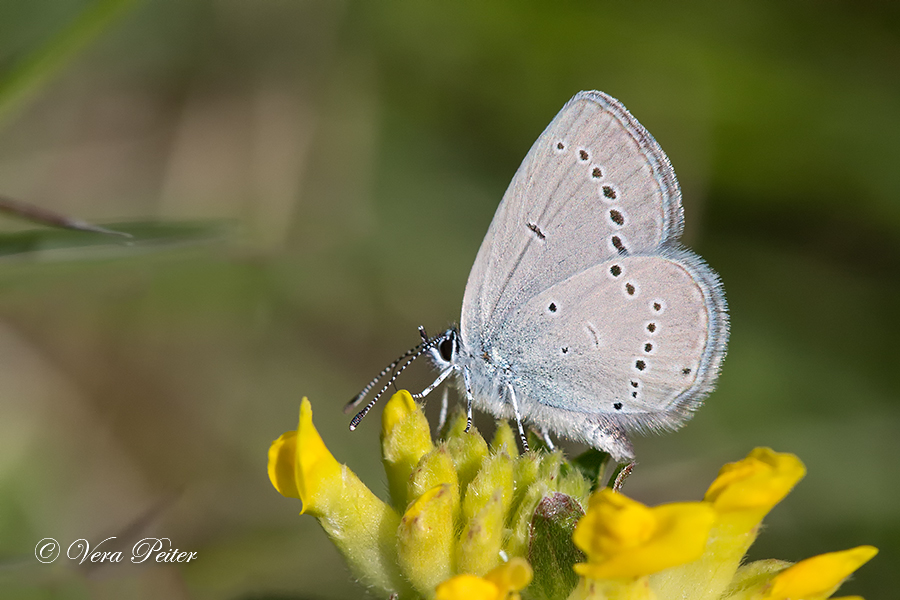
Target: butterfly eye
column 446, row 349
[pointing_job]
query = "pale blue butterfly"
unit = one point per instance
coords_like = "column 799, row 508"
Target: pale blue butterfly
column 583, row 316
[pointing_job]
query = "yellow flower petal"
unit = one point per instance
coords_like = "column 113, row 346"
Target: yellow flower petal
column 749, row 488
column 819, row 576
column 494, row 479
column 433, row 469
column 425, row 538
column 502, row 582
column 405, row 439
column 281, row 464
column 467, row 449
column 505, row 440
column 315, row 468
column 624, row 539
column 300, row 465
column 361, row 526
column 396, row 410
column 743, row 493
column 467, row 587
column 512, row 576
column 478, row 550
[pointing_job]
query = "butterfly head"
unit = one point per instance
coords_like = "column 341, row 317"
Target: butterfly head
column 443, row 349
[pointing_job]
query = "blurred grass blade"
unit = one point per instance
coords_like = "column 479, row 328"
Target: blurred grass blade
column 53, row 219
column 25, row 77
column 144, row 235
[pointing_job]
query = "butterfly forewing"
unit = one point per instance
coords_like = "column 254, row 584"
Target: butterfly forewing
column 593, row 186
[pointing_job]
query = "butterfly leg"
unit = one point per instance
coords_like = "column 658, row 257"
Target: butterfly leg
column 515, row 405
column 442, row 416
column 437, row 382
column 469, row 399
column 546, row 435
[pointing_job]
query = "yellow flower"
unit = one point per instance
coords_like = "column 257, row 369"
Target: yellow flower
column 748, row 489
column 817, row 577
column 511, row 577
column 281, row 464
column 435, row 468
column 467, row 587
column 625, row 539
column 468, row 508
column 501, row 583
column 301, row 466
column 405, row 439
column 425, row 540
column 743, row 493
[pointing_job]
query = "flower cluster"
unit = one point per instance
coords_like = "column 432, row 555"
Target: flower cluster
column 472, row 520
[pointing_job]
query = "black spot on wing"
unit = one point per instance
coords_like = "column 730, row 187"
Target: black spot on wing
column 537, row 231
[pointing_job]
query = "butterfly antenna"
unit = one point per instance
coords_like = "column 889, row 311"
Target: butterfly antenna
column 358, row 398
column 414, row 353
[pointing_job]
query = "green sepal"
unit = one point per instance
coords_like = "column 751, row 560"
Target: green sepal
column 467, row 450
column 505, row 440
column 592, row 465
column 551, row 552
column 433, row 469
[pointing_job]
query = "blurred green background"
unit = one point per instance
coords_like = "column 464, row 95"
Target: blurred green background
column 308, row 181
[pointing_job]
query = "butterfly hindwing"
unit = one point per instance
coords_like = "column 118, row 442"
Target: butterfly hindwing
column 636, row 338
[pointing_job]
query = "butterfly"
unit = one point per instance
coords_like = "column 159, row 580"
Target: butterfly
column 583, row 316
